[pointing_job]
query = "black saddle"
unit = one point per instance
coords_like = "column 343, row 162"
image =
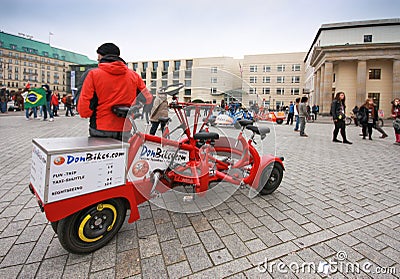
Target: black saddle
column 262, row 131
column 164, row 120
column 120, row 110
column 245, row 122
column 203, row 135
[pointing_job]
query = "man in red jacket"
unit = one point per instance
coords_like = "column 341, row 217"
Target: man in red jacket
column 112, row 83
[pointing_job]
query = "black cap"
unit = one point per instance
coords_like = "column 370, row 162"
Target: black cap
column 108, row 48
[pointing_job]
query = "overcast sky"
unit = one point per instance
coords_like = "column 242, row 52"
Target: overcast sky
column 167, row 29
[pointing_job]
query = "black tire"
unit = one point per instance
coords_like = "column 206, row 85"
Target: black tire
column 54, row 226
column 347, row 121
column 82, row 233
column 270, row 179
column 279, row 121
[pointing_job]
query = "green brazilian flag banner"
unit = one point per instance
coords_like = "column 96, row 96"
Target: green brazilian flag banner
column 36, row 97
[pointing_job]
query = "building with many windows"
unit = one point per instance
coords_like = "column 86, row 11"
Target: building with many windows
column 267, row 79
column 25, row 60
column 360, row 58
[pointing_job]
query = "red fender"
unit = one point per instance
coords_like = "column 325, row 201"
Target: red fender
column 56, row 211
column 264, row 162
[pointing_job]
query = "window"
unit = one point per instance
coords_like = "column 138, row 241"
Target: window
column 367, row 38
column 280, row 91
column 280, row 79
column 165, row 65
column 213, row 90
column 375, row 98
column 214, row 80
column 266, row 69
column 189, row 64
column 296, row 79
column 13, row 47
column 214, row 70
column 295, row 91
column 266, row 90
column 296, row 67
column 188, row 83
column 266, row 79
column 188, row 73
column 135, row 66
column 177, row 65
column 253, row 69
column 253, row 91
column 155, row 66
column 175, row 75
column 280, row 68
column 145, row 65
column 374, row 73
column 253, row 79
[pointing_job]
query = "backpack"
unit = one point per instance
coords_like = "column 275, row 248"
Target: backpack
column 64, row 100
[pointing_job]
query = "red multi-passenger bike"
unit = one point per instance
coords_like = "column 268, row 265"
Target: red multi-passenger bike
column 85, row 220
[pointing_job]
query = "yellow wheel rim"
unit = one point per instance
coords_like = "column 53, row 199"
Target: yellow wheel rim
column 82, row 225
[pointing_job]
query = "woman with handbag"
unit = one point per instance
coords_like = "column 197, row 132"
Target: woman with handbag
column 338, row 108
column 396, row 119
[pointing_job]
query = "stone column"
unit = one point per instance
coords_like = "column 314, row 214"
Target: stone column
column 396, row 79
column 361, row 92
column 327, row 89
column 321, row 89
column 317, row 90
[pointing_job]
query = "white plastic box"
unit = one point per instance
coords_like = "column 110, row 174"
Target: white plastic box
column 67, row 167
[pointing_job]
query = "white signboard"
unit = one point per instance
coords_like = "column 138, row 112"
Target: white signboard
column 80, row 173
column 38, row 171
column 152, row 156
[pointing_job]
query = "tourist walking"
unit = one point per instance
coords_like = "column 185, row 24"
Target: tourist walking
column 338, row 109
column 396, row 119
column 368, row 117
column 303, row 114
column 290, row 114
column 160, row 109
column 296, row 114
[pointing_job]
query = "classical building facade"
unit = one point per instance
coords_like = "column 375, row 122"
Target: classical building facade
column 360, row 58
column 25, row 60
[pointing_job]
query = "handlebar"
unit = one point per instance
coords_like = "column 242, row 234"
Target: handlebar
column 172, row 89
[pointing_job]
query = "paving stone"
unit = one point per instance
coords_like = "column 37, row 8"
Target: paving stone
column 314, row 238
column 127, row 240
column 243, row 231
column 271, row 223
column 210, row 240
column 269, row 238
column 17, row 254
column 128, row 263
column 80, row 270
column 145, row 227
column 30, row 234
column 200, row 223
column 14, row 228
column 221, row 227
column 28, row 271
column 103, row 274
column 161, row 216
column 188, row 236
column 255, row 245
column 179, row 220
column 149, row 246
column 197, row 257
column 154, row 267
column 172, row 252
column 10, row 272
column 348, row 227
column 42, row 245
column 272, row 253
column 52, row 268
column 6, row 244
column 104, row 258
column 235, row 246
column 166, row 231
column 179, row 270
column 221, row 256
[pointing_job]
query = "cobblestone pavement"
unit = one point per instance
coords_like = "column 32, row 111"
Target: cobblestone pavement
column 336, row 203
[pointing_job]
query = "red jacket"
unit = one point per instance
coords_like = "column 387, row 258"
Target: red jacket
column 54, row 100
column 108, row 85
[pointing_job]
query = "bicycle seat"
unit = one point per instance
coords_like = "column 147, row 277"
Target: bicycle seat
column 245, row 122
column 164, row 119
column 206, row 136
column 120, row 110
column 262, row 131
